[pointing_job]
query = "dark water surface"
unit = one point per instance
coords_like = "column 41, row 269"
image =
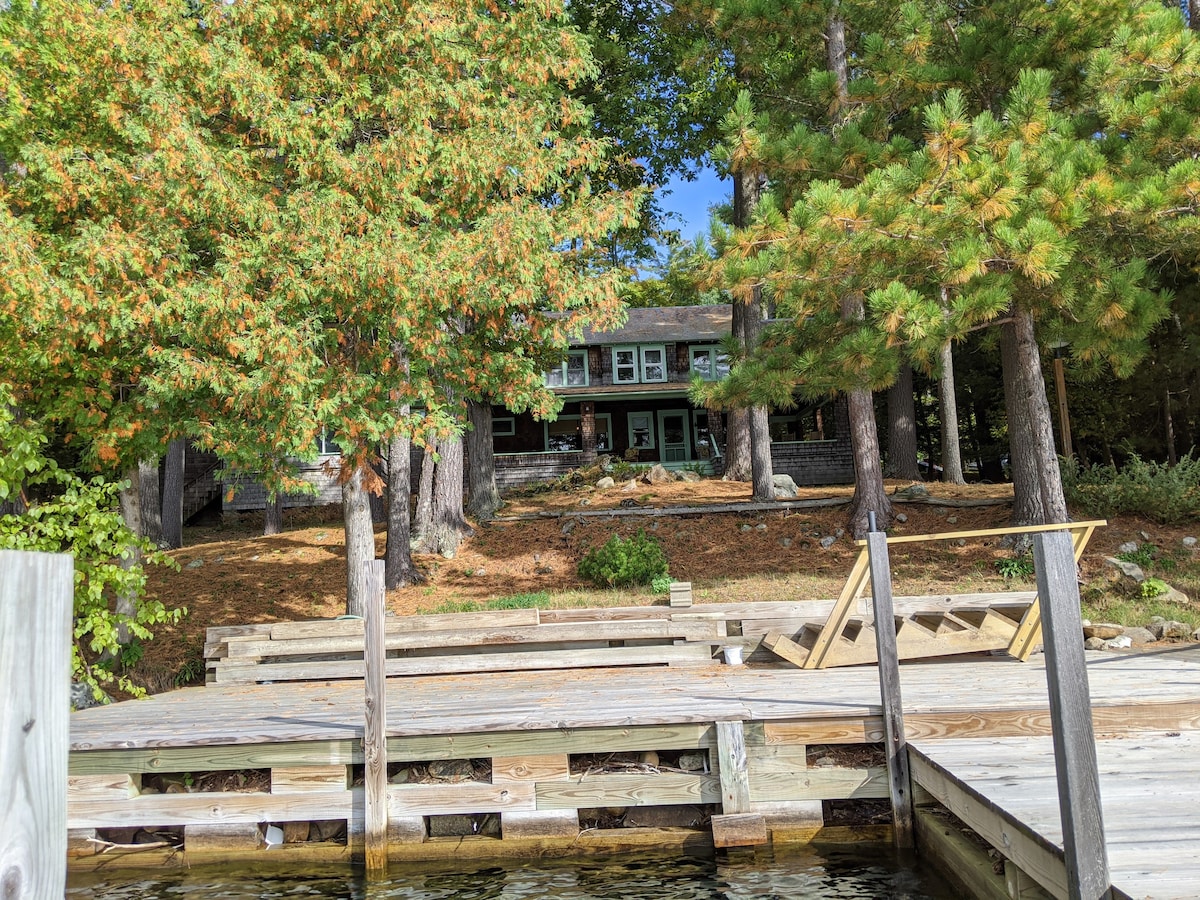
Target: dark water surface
column 803, row 872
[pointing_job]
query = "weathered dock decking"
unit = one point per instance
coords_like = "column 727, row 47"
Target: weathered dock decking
column 1005, row 789
column 531, row 725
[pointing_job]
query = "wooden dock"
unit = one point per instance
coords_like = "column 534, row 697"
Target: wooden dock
column 766, row 735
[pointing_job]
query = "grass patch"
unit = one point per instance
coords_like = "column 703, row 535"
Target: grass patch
column 1131, row 611
column 539, row 600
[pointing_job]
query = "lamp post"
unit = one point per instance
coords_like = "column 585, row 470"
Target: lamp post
column 1060, row 386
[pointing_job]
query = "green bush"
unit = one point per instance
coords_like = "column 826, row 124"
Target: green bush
column 1152, row 587
column 1015, row 567
column 1166, row 494
column 617, row 562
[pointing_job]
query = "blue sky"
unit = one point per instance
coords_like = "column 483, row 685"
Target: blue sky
column 691, row 200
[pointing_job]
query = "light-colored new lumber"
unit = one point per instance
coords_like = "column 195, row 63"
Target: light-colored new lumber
column 662, row 789
column 735, row 776
column 36, row 591
column 527, row 770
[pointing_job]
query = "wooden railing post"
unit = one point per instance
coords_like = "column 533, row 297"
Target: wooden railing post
column 375, row 779
column 36, row 591
column 1071, row 719
column 899, row 783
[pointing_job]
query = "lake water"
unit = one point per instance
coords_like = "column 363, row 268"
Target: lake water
column 869, row 873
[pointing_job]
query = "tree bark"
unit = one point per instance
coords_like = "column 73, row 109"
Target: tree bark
column 902, row 428
column 738, row 466
column 448, row 524
column 1034, row 395
column 151, row 499
column 423, row 520
column 1027, row 492
column 870, row 495
column 131, row 512
column 172, row 494
column 483, row 496
column 1169, row 427
column 399, row 569
column 952, row 472
column 360, row 542
column 273, row 514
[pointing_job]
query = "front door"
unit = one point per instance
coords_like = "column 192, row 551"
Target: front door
column 673, row 427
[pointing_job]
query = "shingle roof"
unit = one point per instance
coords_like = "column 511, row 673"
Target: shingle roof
column 661, row 324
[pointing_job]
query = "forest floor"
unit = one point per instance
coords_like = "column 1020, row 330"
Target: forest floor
column 229, row 574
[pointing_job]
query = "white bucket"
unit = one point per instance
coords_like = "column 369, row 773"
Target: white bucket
column 273, row 837
column 733, row 655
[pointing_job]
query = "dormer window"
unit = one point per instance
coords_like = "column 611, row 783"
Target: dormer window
column 571, row 372
column 625, row 365
column 654, row 363
column 639, row 364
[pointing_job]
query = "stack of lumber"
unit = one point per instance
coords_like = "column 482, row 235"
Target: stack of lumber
column 502, row 640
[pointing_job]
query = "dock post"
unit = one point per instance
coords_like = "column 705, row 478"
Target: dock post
column 895, row 744
column 375, row 781
column 36, row 592
column 1071, row 719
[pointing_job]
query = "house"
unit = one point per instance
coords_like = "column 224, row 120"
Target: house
column 625, row 392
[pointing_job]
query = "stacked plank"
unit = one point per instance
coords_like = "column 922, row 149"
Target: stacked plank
column 498, row 641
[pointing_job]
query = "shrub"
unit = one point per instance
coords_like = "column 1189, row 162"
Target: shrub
column 617, row 562
column 1152, row 587
column 1015, row 567
column 1167, row 494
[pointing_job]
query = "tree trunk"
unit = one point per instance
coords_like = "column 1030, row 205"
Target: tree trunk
column 738, row 465
column 448, row 524
column 1027, row 492
column 1034, row 395
column 1169, row 426
column 172, row 494
column 376, row 500
column 273, row 514
column 870, row 495
column 902, row 428
column 360, row 542
column 423, row 520
column 952, row 472
column 399, row 569
column 131, row 512
column 483, row 497
column 151, row 499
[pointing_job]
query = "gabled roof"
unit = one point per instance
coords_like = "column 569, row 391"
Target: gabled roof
column 664, row 324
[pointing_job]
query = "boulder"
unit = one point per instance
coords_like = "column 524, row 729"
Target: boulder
column 692, row 762
column 657, row 474
column 828, row 541
column 784, row 487
column 1174, row 595
column 901, row 518
column 1128, row 547
column 605, row 483
column 1119, row 643
column 1093, row 644
column 452, row 770
column 1103, row 630
column 1125, row 570
column 912, row 492
column 687, row 475
column 1140, row 635
column 1167, row 630
column 1189, row 542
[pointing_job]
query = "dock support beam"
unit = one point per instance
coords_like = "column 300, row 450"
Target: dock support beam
column 894, row 742
column 1071, row 719
column 36, row 591
column 375, row 780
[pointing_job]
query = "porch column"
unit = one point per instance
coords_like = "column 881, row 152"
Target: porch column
column 587, row 430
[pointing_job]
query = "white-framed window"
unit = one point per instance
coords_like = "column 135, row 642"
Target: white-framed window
column 654, row 363
column 641, row 430
column 702, row 437
column 625, row 365
column 326, row 445
column 571, row 372
column 566, row 433
column 709, row 363
column 503, row 426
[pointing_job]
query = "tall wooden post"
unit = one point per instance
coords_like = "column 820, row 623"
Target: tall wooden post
column 895, row 744
column 375, row 780
column 1071, row 719
column 36, row 591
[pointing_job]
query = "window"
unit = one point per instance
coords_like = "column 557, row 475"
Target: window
column 566, row 433
column 571, row 372
column 704, row 442
column 625, row 365
column 709, row 363
column 641, row 431
column 654, row 364
column 804, row 426
column 503, row 426
column 326, row 445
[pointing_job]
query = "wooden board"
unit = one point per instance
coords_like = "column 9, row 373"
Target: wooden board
column 1149, row 788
